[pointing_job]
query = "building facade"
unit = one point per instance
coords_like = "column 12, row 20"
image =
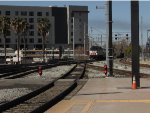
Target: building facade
column 61, row 26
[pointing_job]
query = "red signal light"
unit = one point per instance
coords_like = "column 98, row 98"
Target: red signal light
column 105, row 69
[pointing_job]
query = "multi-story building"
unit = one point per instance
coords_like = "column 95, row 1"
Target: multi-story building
column 31, row 14
column 77, row 25
column 61, row 31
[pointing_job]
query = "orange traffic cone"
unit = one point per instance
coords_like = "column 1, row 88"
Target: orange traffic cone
column 134, row 83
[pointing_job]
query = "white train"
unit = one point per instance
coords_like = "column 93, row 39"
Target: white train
column 37, row 55
column 10, row 53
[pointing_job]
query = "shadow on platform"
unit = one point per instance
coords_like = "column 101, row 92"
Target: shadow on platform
column 131, row 88
column 100, row 93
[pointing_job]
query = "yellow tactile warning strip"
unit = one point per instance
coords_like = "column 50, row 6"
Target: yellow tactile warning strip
column 83, row 106
column 137, row 101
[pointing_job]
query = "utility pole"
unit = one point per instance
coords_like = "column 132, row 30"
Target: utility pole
column 101, row 40
column 109, row 56
column 91, row 37
column 135, row 41
column 142, row 37
column 84, row 37
column 73, row 37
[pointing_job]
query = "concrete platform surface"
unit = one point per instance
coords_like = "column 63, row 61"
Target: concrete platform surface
column 107, row 95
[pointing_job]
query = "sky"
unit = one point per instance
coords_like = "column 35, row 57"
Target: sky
column 120, row 15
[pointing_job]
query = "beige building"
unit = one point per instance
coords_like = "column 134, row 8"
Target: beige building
column 31, row 14
column 61, row 20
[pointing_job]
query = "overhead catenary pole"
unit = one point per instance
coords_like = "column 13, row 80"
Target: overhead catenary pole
column 84, row 37
column 109, row 57
column 73, row 37
column 135, row 41
column 142, row 37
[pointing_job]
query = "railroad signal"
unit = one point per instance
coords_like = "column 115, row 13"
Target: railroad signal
column 127, row 36
column 40, row 70
column 105, row 69
column 115, row 36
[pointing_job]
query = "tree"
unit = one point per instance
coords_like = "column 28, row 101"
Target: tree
column 25, row 28
column 4, row 29
column 43, row 28
column 17, row 26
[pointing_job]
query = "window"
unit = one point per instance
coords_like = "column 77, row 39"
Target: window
column 23, row 13
column 72, row 14
column 16, row 13
column 0, row 12
column 7, row 40
column 39, row 13
column 31, row 40
column 72, row 20
column 71, row 39
column 31, row 26
column 72, row 26
column 39, row 34
column 47, row 13
column 39, row 40
column 31, row 33
column 80, row 20
column 7, row 46
column 8, row 33
column 7, row 13
column 31, row 13
column 22, row 40
column 71, row 33
column 31, row 20
column 80, row 14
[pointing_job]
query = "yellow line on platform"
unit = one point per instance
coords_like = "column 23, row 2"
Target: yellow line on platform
column 87, row 107
column 138, row 101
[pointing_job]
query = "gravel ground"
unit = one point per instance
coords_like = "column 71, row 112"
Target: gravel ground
column 51, row 73
column 123, row 66
column 8, row 94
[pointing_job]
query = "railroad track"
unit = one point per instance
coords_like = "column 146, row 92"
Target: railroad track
column 23, row 71
column 45, row 97
column 118, row 72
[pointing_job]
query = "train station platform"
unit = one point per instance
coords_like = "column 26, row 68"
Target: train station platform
column 107, row 95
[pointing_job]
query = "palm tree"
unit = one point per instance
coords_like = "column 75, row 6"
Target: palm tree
column 25, row 28
column 17, row 26
column 43, row 28
column 4, row 29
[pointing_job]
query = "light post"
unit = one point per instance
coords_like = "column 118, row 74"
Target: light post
column 73, row 37
column 148, row 43
column 53, row 53
column 45, row 55
column 84, row 37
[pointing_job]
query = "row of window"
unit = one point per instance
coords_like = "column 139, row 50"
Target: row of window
column 25, row 13
column 79, row 13
column 31, row 40
column 21, row 46
column 31, row 33
column 31, row 20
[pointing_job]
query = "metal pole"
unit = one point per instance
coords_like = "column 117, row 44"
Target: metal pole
column 109, row 57
column 135, row 41
column 107, row 30
column 91, row 37
column 84, row 37
column 73, row 36
column 142, row 37
column 101, row 40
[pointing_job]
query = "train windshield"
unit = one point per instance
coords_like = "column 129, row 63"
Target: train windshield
column 93, row 48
